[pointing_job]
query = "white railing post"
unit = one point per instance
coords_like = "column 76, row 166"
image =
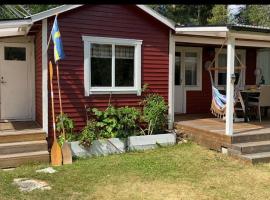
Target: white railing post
column 230, row 85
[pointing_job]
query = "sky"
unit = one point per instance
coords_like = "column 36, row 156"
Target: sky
column 235, row 8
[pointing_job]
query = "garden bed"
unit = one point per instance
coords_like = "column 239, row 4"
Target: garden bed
column 144, row 142
column 100, row 147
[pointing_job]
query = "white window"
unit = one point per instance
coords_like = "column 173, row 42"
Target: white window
column 221, row 62
column 112, row 65
column 188, row 67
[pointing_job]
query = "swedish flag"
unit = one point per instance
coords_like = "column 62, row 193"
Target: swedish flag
column 57, row 41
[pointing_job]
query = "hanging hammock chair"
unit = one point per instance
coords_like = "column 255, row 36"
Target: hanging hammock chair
column 218, row 104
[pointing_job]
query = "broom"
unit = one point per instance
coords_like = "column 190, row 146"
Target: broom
column 56, row 154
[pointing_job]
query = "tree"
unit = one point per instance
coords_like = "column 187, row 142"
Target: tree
column 21, row 11
column 258, row 15
column 185, row 14
column 219, row 15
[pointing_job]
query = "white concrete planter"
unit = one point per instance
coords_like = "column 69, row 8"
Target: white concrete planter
column 150, row 141
column 99, row 147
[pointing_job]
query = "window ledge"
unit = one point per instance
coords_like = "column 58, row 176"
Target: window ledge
column 115, row 91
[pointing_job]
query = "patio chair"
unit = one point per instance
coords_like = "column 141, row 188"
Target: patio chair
column 263, row 101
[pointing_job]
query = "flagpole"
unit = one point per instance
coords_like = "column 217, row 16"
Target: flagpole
column 51, row 33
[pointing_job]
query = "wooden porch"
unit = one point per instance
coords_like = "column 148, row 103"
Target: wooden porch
column 22, row 142
column 248, row 139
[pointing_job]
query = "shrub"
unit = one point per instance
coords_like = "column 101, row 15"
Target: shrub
column 89, row 133
column 154, row 113
column 128, row 120
column 63, row 119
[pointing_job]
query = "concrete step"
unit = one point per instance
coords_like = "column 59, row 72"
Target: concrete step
column 257, row 157
column 23, row 147
column 252, row 147
column 14, row 160
column 19, row 136
column 250, row 137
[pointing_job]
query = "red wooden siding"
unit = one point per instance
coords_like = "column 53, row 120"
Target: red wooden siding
column 38, row 76
column 200, row 101
column 120, row 21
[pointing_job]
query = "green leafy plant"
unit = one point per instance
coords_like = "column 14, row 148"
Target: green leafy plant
column 89, row 133
column 107, row 121
column 154, row 113
column 68, row 125
column 128, row 120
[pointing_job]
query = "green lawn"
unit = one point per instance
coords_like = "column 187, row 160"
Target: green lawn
column 185, row 171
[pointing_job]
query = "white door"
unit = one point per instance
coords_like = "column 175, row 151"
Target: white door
column 14, row 82
column 179, row 94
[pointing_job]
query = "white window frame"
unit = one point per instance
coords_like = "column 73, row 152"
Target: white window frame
column 197, row 50
column 88, row 89
column 242, row 52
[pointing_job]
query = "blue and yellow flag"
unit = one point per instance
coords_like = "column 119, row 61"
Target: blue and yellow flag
column 57, row 41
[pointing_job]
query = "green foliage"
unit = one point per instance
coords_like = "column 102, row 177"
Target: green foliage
column 89, row 133
column 110, row 123
column 107, row 122
column 219, row 15
column 154, row 113
column 185, row 14
column 63, row 119
column 68, row 125
column 128, row 120
column 258, row 15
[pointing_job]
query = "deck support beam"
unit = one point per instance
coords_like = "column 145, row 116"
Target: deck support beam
column 230, row 84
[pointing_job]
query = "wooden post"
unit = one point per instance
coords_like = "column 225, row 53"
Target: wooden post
column 171, row 80
column 230, row 85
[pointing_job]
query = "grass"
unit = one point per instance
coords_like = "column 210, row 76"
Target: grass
column 185, row 171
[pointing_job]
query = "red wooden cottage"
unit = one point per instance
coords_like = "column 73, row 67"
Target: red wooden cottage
column 135, row 45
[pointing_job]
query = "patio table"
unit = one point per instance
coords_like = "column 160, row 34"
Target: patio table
column 246, row 94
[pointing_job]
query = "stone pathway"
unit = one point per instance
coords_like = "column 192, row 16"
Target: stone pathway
column 28, row 185
column 48, row 170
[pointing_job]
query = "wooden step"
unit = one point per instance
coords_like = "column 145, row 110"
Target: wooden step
column 252, row 147
column 23, row 147
column 252, row 137
column 257, row 157
column 14, row 160
column 19, row 136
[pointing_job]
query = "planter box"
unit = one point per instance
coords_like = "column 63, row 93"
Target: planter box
column 150, row 141
column 99, row 147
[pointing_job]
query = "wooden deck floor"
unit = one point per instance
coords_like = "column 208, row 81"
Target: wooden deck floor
column 18, row 126
column 210, row 131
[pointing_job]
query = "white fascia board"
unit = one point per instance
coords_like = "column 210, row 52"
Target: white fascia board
column 11, row 32
column 53, row 11
column 202, row 29
column 64, row 8
column 250, row 35
column 15, row 23
column 158, row 16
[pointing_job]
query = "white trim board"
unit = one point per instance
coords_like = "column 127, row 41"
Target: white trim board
column 44, row 76
column 135, row 89
column 64, row 8
column 219, row 41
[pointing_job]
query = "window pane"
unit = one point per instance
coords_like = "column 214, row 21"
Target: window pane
column 101, row 65
column 124, row 65
column 222, row 62
column 15, row 53
column 177, row 73
column 191, row 73
column 191, row 68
